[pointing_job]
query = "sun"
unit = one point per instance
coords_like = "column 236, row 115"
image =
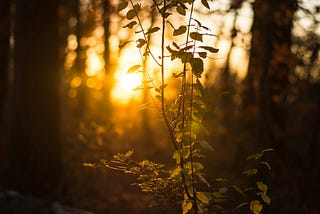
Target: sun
column 123, row 91
column 129, row 82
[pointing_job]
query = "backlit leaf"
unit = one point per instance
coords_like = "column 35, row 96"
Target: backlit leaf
column 203, row 197
column 181, row 10
column 130, row 24
column 196, row 166
column 203, row 179
column 141, row 42
column 130, row 14
column 202, row 54
column 250, row 172
column 267, row 150
column 186, row 206
column 175, row 172
column 265, row 197
column 221, row 180
column 186, row 57
column 266, row 164
column 181, row 30
column 239, row 190
column 122, row 6
column 137, row 7
column 256, row 207
column 262, row 186
column 176, row 156
column 208, row 48
column 241, row 205
column 197, row 66
column 133, row 68
column 196, row 36
column 205, row 3
column 153, row 30
column 206, row 145
column 175, row 45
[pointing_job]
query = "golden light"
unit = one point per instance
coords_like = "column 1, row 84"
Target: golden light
column 124, row 82
column 91, row 82
column 123, row 91
column 75, row 82
column 95, row 63
column 72, row 42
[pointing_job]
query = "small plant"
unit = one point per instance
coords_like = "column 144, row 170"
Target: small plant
column 182, row 116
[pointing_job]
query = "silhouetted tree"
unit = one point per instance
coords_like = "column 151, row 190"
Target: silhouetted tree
column 5, row 29
column 271, row 63
column 34, row 153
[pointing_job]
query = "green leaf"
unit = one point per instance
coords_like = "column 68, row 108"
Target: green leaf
column 205, row 3
column 254, row 156
column 206, row 145
column 181, row 10
column 176, row 156
column 263, row 187
column 181, row 30
column 130, row 14
column 122, row 6
column 265, row 197
column 239, row 190
column 267, row 150
column 128, row 153
column 175, row 172
column 153, row 30
column 196, row 166
column 133, row 68
column 203, row 179
column 250, row 172
column 186, row 206
column 266, row 164
column 203, row 197
column 141, row 42
column 256, row 207
column 222, row 180
column 196, row 36
column 130, row 24
column 197, row 66
column 241, row 205
column 208, row 48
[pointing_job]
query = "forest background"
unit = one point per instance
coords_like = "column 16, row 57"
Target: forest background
column 66, row 99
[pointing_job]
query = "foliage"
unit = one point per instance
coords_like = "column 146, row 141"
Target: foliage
column 185, row 184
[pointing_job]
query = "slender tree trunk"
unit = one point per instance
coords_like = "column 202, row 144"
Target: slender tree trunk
column 108, row 65
column 5, row 30
column 34, row 160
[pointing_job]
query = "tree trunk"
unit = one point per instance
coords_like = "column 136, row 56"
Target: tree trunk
column 5, row 30
column 270, row 65
column 267, row 85
column 34, row 162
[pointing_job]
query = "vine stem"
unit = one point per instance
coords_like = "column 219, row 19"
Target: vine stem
column 163, row 107
column 183, row 103
column 144, row 34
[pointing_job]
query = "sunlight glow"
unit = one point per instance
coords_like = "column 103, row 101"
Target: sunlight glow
column 95, row 63
column 75, row 82
column 124, row 83
column 124, row 91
